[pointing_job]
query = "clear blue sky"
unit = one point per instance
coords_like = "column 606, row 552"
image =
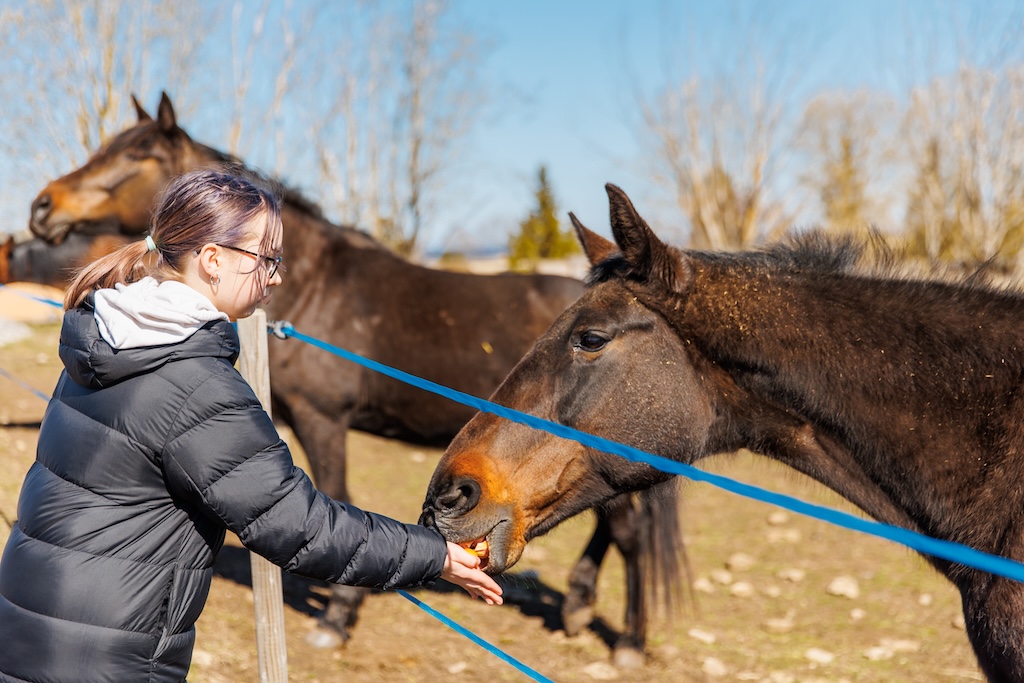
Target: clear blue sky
column 563, row 73
column 566, row 68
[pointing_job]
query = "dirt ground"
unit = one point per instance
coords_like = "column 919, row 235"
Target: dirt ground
column 776, row 597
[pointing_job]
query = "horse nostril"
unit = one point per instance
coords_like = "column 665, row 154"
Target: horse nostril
column 461, row 497
column 42, row 205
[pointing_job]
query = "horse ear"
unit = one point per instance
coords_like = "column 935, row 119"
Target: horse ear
column 165, row 114
column 140, row 112
column 647, row 254
column 594, row 246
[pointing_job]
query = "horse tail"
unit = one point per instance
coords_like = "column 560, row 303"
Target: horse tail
column 661, row 545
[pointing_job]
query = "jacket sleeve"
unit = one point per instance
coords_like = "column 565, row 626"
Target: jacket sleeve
column 230, row 463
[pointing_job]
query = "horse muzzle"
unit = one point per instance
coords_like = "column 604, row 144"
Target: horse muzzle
column 39, row 221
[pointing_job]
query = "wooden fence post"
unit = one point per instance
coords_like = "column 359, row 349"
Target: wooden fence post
column 268, row 595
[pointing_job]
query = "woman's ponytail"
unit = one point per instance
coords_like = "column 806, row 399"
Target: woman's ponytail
column 127, row 264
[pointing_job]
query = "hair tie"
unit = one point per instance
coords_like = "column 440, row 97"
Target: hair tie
column 150, row 244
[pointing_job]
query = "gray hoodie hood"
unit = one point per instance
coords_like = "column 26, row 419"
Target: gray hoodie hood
column 92, row 362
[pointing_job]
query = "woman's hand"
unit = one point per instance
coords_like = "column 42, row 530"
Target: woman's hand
column 463, row 569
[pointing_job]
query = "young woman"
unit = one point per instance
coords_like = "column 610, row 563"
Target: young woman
column 153, row 445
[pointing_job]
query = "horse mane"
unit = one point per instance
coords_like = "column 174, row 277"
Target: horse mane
column 869, row 256
column 288, row 195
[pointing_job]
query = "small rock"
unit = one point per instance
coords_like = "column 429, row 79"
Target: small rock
column 740, row 562
column 925, row 599
column 418, row 456
column 703, row 585
column 878, row 653
column 722, row 576
column 772, row 591
column 629, row 658
column 705, row 637
column 742, row 589
column 323, row 639
column 783, row 536
column 20, row 445
column 714, row 667
column 856, row 614
column 778, row 518
column 601, row 671
column 819, row 656
column 844, row 587
column 901, row 645
column 457, row 668
column 42, row 358
column 781, row 677
column 793, row 575
column 779, row 625
column 202, row 658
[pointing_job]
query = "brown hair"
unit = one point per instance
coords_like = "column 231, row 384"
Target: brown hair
column 197, row 208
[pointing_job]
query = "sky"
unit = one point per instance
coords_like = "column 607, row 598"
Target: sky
column 570, row 68
column 565, row 74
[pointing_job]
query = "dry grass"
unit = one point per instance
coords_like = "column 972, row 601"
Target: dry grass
column 769, row 621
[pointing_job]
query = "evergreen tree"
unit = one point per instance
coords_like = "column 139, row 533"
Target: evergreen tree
column 540, row 235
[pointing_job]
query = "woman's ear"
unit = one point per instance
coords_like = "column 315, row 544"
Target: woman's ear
column 209, row 261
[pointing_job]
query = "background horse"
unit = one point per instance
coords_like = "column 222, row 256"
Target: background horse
column 460, row 330
column 36, row 260
column 902, row 395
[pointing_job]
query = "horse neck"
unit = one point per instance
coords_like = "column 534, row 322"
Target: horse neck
column 880, row 375
column 313, row 244
column 810, row 328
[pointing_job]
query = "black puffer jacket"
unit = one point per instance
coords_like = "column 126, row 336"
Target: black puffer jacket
column 145, row 456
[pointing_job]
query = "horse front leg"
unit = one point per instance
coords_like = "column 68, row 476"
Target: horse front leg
column 578, row 606
column 323, row 439
column 624, row 523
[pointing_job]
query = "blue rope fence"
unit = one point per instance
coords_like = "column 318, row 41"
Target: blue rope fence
column 444, row 619
column 955, row 552
column 948, row 550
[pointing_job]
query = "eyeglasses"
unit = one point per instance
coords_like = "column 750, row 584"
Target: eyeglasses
column 273, row 262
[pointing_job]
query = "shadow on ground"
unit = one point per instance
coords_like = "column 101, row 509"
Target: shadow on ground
column 524, row 592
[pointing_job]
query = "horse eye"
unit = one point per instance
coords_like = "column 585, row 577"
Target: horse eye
column 591, row 341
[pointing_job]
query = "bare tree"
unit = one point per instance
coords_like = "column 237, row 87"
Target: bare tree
column 847, row 142
column 72, row 67
column 964, row 138
column 402, row 92
column 716, row 139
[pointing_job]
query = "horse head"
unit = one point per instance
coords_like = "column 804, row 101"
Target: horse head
column 115, row 190
column 600, row 368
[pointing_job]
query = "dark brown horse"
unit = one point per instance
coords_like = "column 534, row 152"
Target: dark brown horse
column 904, row 395
column 461, row 330
column 36, row 260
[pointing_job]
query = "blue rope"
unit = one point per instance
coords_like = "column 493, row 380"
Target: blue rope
column 475, row 638
column 24, row 385
column 954, row 552
column 42, row 300
column 422, row 605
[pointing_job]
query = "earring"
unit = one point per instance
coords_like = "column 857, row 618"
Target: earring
column 215, row 280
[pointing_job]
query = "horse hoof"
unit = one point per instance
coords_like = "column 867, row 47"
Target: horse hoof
column 574, row 622
column 629, row 658
column 324, row 638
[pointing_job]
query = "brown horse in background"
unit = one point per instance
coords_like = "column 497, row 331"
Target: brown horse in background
column 36, row 260
column 461, row 330
column 903, row 395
